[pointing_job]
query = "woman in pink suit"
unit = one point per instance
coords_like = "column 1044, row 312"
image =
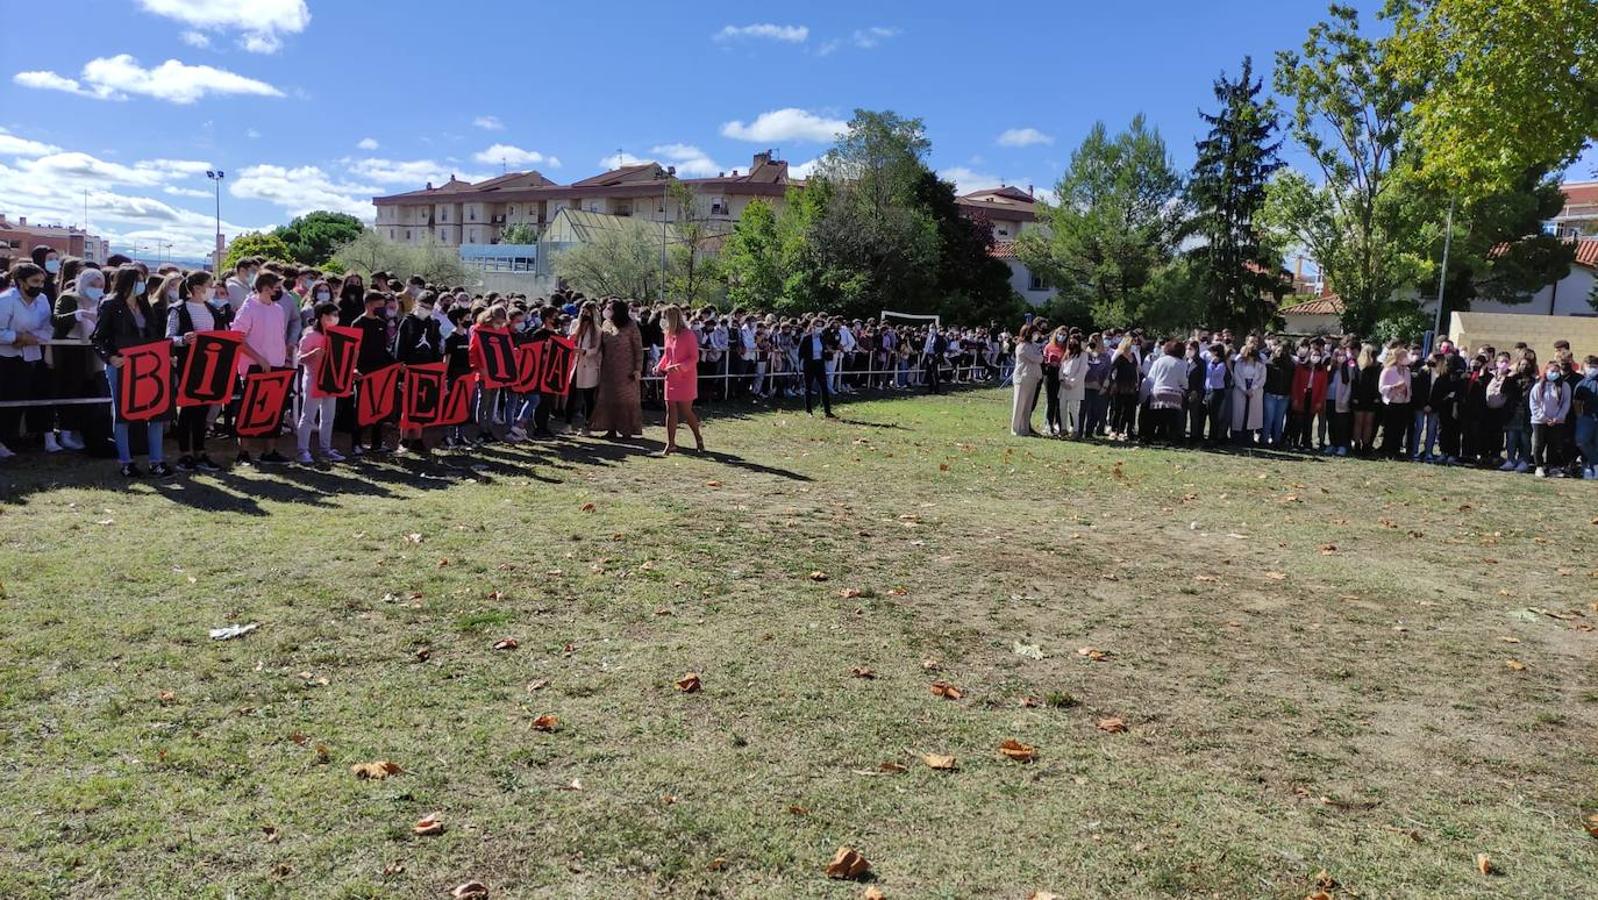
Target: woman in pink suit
column 679, row 363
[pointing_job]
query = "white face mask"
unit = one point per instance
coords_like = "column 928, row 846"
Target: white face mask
column 92, row 293
column 324, row 296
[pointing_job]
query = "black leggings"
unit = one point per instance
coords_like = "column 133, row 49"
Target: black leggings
column 192, row 421
column 1124, row 414
column 583, row 397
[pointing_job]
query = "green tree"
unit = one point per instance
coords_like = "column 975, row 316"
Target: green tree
column 1237, row 271
column 313, row 237
column 1115, row 225
column 1351, row 118
column 620, row 261
column 752, row 259
column 690, row 276
column 370, row 252
column 254, row 243
column 518, row 233
column 969, row 284
column 1501, row 87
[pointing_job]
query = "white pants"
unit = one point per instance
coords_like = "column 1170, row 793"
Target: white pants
column 315, row 412
column 1026, row 392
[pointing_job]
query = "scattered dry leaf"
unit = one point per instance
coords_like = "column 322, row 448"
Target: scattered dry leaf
column 1591, row 824
column 873, row 892
column 1014, row 749
column 376, row 771
column 850, row 593
column 1112, row 725
column 414, row 538
column 1093, row 653
column 847, row 863
column 1276, row 576
column 166, row 697
column 471, row 890
column 689, row 683
column 798, row 810
column 509, row 643
column 423, row 654
column 939, row 762
column 428, row 825
column 713, row 484
column 945, row 690
column 546, row 722
column 1328, row 549
column 862, row 672
column 1515, row 665
column 270, row 835
column 538, row 685
column 1484, row 864
column 818, row 575
column 587, row 507
column 893, row 768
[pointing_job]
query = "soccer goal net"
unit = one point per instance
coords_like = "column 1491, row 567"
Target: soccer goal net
column 909, row 317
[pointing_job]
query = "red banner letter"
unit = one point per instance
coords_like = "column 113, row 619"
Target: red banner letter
column 335, row 370
column 458, row 407
column 375, row 402
column 424, row 395
column 208, row 366
column 560, row 356
column 529, row 365
column 261, row 404
column 144, row 385
column 499, row 357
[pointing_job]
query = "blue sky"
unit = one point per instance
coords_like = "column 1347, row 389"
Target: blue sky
column 310, row 104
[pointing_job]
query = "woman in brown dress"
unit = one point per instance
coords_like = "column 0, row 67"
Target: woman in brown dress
column 617, row 410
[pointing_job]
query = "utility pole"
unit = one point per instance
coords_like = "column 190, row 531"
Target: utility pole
column 216, row 177
column 665, row 201
column 1442, row 276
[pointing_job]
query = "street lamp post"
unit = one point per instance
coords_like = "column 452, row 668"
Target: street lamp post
column 665, row 201
column 216, row 177
column 1442, row 275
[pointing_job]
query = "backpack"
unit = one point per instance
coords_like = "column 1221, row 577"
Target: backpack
column 1495, row 394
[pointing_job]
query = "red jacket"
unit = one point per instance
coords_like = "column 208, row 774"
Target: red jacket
column 1311, row 380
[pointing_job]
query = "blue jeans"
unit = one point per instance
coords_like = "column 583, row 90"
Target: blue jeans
column 155, row 429
column 1092, row 413
column 1587, row 439
column 1519, row 445
column 523, row 405
column 1275, row 419
column 1424, row 438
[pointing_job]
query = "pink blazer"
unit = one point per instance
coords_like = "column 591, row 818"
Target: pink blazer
column 680, row 364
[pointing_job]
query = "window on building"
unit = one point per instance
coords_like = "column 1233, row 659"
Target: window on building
column 407, row 234
column 391, row 234
column 1037, row 283
column 1002, row 232
column 443, row 215
column 474, row 235
column 471, row 213
column 718, row 206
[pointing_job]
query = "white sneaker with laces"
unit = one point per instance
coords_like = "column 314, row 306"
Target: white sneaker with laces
column 1541, row 472
column 51, row 445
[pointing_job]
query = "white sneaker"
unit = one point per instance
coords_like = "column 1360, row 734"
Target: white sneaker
column 5, row 452
column 304, row 458
column 332, row 455
column 1541, row 472
column 51, row 445
column 71, row 441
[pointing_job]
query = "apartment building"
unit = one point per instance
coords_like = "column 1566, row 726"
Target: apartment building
column 1011, row 211
column 1580, row 215
column 17, row 240
column 459, row 212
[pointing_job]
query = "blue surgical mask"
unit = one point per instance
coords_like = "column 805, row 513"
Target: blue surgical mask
column 138, row 287
column 92, row 293
column 52, row 266
column 1553, row 376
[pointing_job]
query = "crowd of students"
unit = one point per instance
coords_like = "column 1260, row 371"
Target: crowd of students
column 1501, row 408
column 65, row 321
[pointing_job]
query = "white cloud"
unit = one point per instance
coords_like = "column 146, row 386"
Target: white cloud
column 788, row 34
column 489, row 123
column 619, row 160
column 866, row 38
column 260, row 23
column 252, row 134
column 184, row 192
column 691, row 162
column 11, row 145
column 115, row 77
column 804, row 169
column 195, row 39
column 302, row 189
column 367, row 144
column 1023, row 137
column 965, row 180
column 790, row 124
column 514, row 156
column 414, row 172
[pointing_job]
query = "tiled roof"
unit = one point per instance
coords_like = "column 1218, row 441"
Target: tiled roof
column 1586, row 251
column 1580, row 193
column 1002, row 250
column 1329, row 305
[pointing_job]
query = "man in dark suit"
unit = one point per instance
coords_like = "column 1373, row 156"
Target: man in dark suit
column 934, row 349
column 815, row 346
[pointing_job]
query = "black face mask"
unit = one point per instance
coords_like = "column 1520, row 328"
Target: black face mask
column 30, row 291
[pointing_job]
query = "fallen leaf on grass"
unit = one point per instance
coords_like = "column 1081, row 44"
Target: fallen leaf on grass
column 897, row 592
column 1276, row 576
column 873, row 893
column 938, row 762
column 712, row 484
column 850, row 593
column 1030, row 651
column 1328, row 549
column 818, row 576
column 1515, row 665
column 587, row 507
column 945, row 690
column 1093, row 653
column 1014, row 749
column 893, row 768
column 1510, row 640
column 1591, row 824
column 298, row 738
column 1042, row 895
column 428, row 826
column 270, row 834
column 414, row 538
column 376, row 771
column 506, row 567
column 847, row 863
column 538, row 685
column 166, row 697
column 1027, row 702
column 509, row 643
column 862, row 672
column 442, row 562
column 798, row 810
column 1484, row 864
column 546, row 723
column 689, row 683
column 1112, row 725
column 471, row 890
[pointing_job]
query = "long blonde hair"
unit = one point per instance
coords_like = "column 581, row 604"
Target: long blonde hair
column 671, row 319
